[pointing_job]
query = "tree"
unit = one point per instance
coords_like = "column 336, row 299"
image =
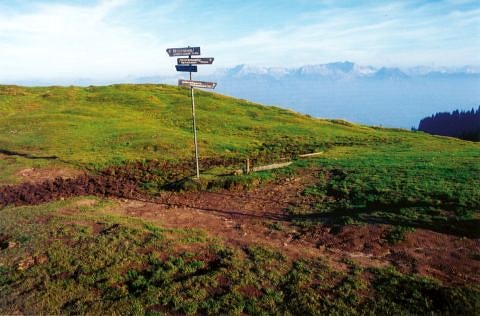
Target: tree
column 460, row 124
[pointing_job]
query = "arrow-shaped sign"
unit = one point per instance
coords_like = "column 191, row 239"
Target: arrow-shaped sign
column 183, row 51
column 197, row 84
column 186, row 68
column 195, row 61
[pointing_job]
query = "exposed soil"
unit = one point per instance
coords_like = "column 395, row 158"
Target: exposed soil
column 86, row 202
column 38, row 175
column 35, row 193
column 117, row 181
column 442, row 256
column 445, row 257
column 238, row 217
column 259, row 217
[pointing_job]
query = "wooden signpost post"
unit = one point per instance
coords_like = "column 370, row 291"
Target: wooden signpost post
column 187, row 65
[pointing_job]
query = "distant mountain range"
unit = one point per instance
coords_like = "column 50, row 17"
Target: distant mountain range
column 345, row 71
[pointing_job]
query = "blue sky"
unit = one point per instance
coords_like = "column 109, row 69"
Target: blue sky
column 119, row 38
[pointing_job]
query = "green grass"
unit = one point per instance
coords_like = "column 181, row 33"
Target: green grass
column 408, row 184
column 97, row 263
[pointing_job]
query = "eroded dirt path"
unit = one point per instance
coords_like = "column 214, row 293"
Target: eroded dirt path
column 260, row 217
column 239, row 218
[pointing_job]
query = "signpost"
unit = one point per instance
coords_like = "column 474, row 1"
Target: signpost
column 195, row 61
column 184, row 51
column 186, row 65
column 197, row 84
column 186, row 68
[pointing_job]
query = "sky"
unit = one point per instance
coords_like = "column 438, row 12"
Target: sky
column 112, row 39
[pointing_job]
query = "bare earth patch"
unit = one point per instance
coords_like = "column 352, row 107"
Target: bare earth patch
column 442, row 256
column 37, row 175
column 241, row 218
column 259, row 217
column 86, row 202
column 445, row 257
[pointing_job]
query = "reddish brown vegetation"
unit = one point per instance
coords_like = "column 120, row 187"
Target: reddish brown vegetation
column 35, row 193
column 118, row 181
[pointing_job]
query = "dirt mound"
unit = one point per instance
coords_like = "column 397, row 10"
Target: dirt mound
column 117, row 181
column 35, row 193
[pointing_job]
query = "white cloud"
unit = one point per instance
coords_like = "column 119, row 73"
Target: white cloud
column 61, row 41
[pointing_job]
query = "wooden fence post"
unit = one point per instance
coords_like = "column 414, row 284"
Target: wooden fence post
column 247, row 165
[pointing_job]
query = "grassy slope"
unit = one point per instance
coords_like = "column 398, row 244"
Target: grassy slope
column 428, row 184
column 390, row 176
column 100, row 125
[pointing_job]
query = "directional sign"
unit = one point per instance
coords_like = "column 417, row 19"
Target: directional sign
column 184, row 51
column 195, row 61
column 186, row 68
column 197, row 84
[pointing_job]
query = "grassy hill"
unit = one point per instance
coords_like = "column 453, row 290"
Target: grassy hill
column 418, row 194
column 104, row 125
